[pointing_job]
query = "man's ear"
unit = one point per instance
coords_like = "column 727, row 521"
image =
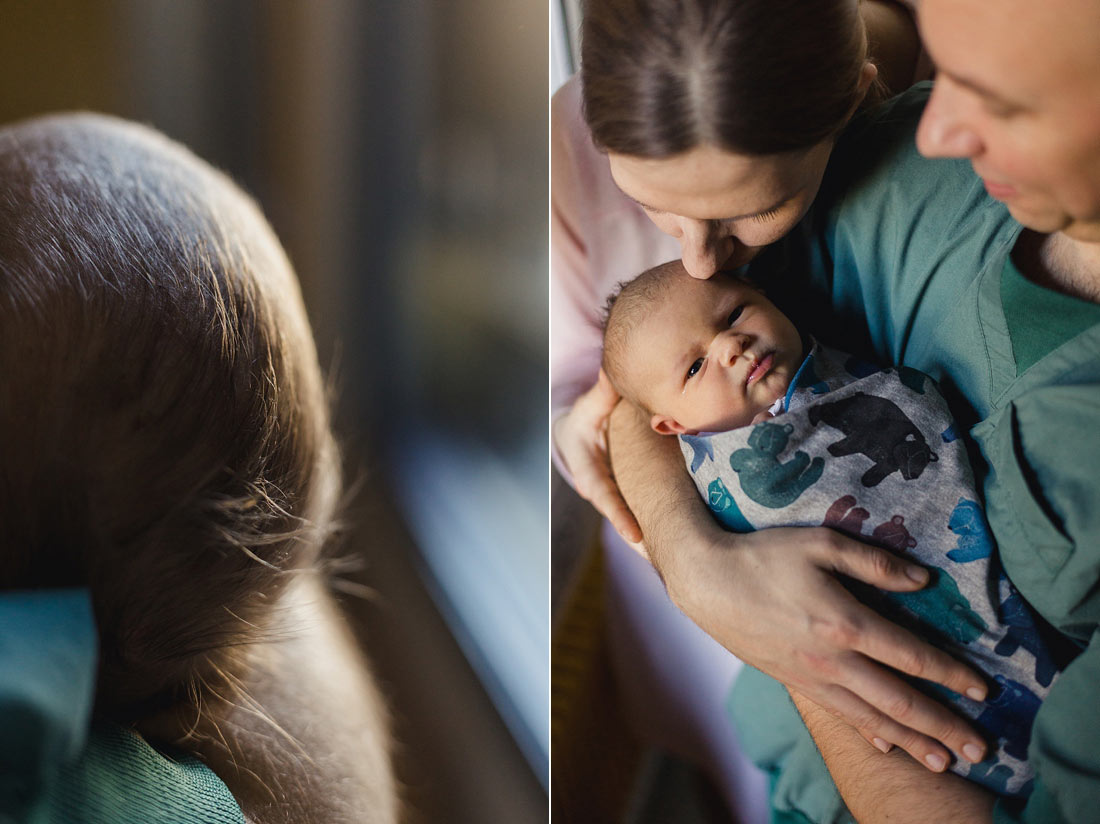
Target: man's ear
column 664, row 425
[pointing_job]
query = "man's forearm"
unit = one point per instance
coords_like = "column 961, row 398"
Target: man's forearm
column 889, row 787
column 649, row 470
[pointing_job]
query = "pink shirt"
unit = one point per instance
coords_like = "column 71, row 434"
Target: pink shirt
column 598, row 238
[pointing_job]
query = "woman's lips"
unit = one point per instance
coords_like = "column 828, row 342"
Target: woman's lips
column 759, row 369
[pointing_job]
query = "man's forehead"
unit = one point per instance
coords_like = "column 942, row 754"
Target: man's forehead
column 1014, row 51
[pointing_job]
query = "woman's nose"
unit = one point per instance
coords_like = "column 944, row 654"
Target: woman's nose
column 704, row 247
column 944, row 130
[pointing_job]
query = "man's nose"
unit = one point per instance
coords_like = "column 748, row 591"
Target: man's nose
column 944, row 129
column 704, row 247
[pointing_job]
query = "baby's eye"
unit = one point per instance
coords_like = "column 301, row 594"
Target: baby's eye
column 734, row 315
column 695, row 367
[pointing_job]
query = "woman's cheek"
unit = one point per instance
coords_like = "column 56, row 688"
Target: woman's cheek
column 666, row 223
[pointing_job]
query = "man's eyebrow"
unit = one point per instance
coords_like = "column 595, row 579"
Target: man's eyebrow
column 979, row 89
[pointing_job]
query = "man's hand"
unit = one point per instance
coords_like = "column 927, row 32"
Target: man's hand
column 773, row 599
column 581, row 437
column 892, row 788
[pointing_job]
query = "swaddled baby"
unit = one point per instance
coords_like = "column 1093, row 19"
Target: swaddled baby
column 777, row 430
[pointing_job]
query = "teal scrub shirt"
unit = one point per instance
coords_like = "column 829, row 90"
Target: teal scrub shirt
column 902, row 259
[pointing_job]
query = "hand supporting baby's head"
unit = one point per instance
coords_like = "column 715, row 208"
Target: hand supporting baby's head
column 163, row 421
column 698, row 355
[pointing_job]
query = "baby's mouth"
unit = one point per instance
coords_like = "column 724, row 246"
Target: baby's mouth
column 759, row 368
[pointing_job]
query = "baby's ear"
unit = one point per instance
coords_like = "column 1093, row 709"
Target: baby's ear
column 664, row 425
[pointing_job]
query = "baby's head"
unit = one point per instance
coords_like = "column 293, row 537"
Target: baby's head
column 164, row 431
column 698, row 355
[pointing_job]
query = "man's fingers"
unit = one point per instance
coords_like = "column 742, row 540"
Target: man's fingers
column 879, row 744
column 882, row 732
column 881, row 639
column 906, row 717
column 886, row 642
column 875, row 566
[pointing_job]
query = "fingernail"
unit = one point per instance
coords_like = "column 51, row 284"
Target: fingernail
column 976, row 694
column 973, row 753
column 882, row 745
column 918, row 574
column 935, row 761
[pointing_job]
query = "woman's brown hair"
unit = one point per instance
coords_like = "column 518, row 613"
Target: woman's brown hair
column 756, row 77
column 164, row 433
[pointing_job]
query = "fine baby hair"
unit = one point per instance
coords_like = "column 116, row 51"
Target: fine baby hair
column 625, row 308
column 163, row 421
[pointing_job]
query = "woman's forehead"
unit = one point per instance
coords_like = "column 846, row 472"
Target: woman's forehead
column 707, row 183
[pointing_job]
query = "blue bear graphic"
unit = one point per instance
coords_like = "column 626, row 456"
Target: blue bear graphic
column 993, row 777
column 968, row 522
column 725, row 508
column 942, row 607
column 763, row 478
column 1021, row 631
column 701, row 449
column 1009, row 715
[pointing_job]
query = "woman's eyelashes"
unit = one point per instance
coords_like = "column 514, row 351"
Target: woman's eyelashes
column 734, row 315
column 768, row 215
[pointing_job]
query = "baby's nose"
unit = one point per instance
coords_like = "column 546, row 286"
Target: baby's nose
column 732, row 346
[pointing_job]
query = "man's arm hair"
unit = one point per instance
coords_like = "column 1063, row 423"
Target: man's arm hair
column 890, row 787
column 649, row 470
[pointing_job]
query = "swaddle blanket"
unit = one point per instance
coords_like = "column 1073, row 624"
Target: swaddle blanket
column 875, row 453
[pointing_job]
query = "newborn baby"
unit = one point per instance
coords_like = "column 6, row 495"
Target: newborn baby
column 166, row 451
column 777, row 430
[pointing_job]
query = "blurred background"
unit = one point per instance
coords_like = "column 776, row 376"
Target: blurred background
column 399, row 150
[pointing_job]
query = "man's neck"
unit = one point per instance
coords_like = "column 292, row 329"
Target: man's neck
column 1060, row 263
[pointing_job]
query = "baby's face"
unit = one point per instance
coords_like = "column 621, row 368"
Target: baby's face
column 713, row 355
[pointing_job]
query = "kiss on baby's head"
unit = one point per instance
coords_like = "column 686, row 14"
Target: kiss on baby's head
column 163, row 421
column 698, row 355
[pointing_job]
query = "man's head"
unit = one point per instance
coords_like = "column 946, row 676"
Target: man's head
column 163, row 420
column 1018, row 93
column 698, row 355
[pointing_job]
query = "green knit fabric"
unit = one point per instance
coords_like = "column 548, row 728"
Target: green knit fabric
column 1040, row 320
column 58, row 765
column 121, row 779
